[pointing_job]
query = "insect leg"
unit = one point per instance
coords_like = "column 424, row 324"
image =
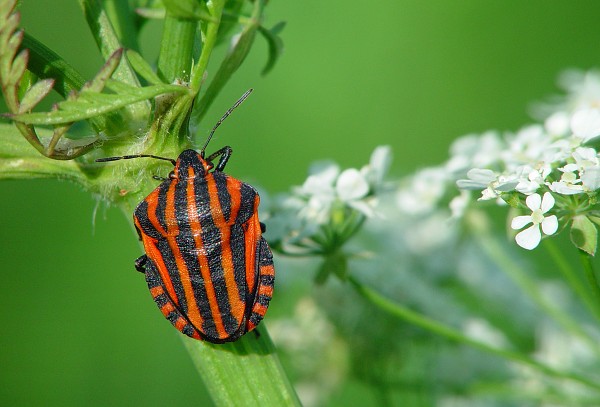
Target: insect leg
column 140, row 263
column 225, row 153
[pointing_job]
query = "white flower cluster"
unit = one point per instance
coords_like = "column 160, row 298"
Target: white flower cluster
column 555, row 159
column 329, row 204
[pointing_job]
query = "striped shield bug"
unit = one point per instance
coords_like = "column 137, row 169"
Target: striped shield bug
column 207, row 266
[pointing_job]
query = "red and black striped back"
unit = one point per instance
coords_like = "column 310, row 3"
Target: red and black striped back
column 209, row 269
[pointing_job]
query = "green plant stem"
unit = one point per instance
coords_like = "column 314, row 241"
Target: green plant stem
column 520, row 276
column 176, row 49
column 215, row 9
column 440, row 329
column 244, row 372
column 590, row 274
column 573, row 279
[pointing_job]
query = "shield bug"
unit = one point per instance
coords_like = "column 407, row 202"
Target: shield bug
column 207, row 266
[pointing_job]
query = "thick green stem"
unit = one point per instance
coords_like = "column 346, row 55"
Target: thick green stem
column 245, row 372
column 452, row 334
column 176, row 49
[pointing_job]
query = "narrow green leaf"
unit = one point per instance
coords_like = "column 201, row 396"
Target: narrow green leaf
column 10, row 38
column 122, row 18
column 35, row 94
column 19, row 64
column 19, row 161
column 232, row 61
column 142, row 67
column 45, row 63
column 275, row 44
column 6, row 8
column 107, row 70
column 108, row 42
column 584, row 234
column 91, row 104
column 106, row 37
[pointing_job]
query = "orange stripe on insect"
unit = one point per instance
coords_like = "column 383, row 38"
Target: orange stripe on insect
column 193, row 313
column 156, row 291
column 202, row 260
column 233, row 293
column 152, row 250
column 167, row 309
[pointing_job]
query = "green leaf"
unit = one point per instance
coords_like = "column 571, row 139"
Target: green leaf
column 275, row 44
column 106, row 38
column 35, row 94
column 232, row 61
column 90, row 104
column 584, row 234
column 142, row 67
column 105, row 73
column 19, row 161
column 45, row 63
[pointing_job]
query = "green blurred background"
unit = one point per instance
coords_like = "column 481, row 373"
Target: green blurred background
column 78, row 326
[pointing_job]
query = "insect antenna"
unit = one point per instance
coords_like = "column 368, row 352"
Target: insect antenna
column 227, row 113
column 128, row 157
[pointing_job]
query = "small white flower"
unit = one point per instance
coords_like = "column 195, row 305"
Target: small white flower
column 491, row 182
column 531, row 237
column 557, row 124
column 351, row 185
column 585, row 124
column 378, row 166
column 422, row 192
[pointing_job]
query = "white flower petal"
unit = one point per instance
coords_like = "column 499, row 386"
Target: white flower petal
column 550, row 225
column 569, row 168
column 379, row 164
column 534, row 201
column 529, row 238
column 591, row 178
column 481, row 175
column 564, row 188
column 557, row 124
column 520, row 222
column 547, row 202
column 585, row 123
column 351, row 184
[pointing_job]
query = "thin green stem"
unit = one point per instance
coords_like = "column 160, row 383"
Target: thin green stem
column 452, row 334
column 215, row 9
column 520, row 276
column 590, row 274
column 573, row 279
